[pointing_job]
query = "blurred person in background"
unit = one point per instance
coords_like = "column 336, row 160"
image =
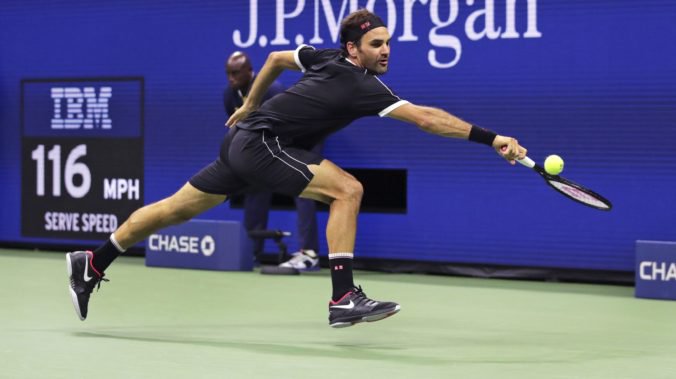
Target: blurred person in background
column 241, row 76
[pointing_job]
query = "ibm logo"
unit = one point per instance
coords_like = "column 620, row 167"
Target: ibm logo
column 84, row 109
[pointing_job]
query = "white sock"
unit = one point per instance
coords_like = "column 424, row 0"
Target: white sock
column 116, row 244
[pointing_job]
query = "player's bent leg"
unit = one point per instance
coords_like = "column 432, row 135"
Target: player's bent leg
column 343, row 192
column 180, row 207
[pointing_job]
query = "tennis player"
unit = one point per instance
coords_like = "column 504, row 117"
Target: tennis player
column 268, row 147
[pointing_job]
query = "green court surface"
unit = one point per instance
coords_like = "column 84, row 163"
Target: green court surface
column 172, row 323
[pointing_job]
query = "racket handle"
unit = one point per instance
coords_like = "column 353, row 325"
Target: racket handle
column 526, row 162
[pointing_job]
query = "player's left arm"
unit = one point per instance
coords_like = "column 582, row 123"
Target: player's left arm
column 442, row 123
column 277, row 62
column 432, row 120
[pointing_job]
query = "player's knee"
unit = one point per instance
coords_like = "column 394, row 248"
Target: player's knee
column 353, row 190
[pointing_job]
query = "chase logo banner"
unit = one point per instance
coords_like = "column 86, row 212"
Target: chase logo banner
column 82, row 155
column 656, row 269
column 201, row 244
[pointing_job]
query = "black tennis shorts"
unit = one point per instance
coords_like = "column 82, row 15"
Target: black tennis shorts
column 256, row 160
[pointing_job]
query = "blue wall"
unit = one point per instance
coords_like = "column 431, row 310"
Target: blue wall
column 593, row 81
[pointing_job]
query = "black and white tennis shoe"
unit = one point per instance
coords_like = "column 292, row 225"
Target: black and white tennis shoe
column 83, row 278
column 354, row 307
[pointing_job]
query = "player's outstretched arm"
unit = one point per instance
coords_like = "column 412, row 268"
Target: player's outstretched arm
column 442, row 123
column 277, row 62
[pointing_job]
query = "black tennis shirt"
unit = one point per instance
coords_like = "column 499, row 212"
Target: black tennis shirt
column 332, row 93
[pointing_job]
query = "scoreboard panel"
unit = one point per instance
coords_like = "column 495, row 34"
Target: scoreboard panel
column 81, row 156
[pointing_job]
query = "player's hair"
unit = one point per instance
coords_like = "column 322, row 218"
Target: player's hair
column 355, row 25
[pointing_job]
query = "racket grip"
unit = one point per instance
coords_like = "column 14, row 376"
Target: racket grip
column 526, row 162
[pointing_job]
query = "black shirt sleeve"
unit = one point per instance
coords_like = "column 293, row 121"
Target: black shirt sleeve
column 307, row 56
column 375, row 98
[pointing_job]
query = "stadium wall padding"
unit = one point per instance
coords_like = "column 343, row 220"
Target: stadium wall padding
column 593, row 81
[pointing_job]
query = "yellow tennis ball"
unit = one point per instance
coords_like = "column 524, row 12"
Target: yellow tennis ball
column 554, row 164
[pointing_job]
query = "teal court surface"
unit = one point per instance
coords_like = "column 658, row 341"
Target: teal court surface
column 172, row 323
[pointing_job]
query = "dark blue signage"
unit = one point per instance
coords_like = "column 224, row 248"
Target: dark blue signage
column 82, row 156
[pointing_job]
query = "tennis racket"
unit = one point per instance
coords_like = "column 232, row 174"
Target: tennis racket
column 570, row 189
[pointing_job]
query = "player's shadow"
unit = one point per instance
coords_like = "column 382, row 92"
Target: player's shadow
column 324, row 349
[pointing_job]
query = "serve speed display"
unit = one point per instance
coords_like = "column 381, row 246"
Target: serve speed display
column 82, row 156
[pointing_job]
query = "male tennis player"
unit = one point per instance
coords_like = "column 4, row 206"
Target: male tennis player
column 268, row 147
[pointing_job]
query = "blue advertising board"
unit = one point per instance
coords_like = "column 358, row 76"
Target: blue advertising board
column 591, row 81
column 201, row 244
column 656, row 270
